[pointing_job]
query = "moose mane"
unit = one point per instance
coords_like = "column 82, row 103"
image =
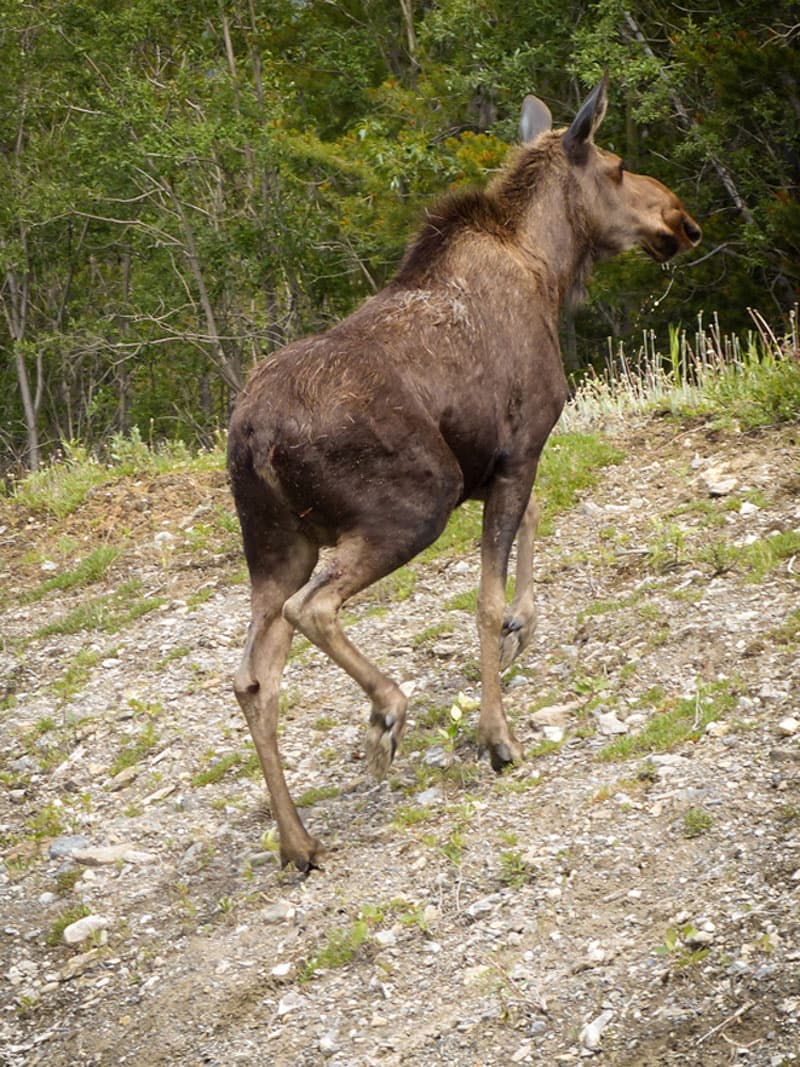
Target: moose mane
column 495, row 211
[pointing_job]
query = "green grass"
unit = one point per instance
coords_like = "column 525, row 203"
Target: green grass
column 677, row 722
column 89, row 570
column 571, row 462
column 63, row 486
column 316, row 794
column 738, row 382
column 109, row 613
column 65, row 919
column 77, row 673
column 135, row 750
column 341, row 948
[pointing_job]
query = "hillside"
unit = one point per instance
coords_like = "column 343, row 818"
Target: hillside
column 632, row 891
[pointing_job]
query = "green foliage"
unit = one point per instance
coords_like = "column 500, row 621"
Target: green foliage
column 674, row 723
column 696, row 822
column 341, row 948
column 90, row 569
column 186, row 188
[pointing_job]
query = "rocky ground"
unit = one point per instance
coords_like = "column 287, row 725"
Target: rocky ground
column 629, row 894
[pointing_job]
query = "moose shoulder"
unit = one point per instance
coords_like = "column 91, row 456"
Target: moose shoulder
column 440, row 388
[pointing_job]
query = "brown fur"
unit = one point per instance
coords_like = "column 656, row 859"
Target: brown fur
column 442, row 387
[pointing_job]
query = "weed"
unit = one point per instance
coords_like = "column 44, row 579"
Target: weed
column 89, row 570
column 136, row 750
column 316, row 794
column 77, row 673
column 788, row 631
column 431, row 633
column 513, row 869
column 47, row 822
column 679, row 721
column 409, row 815
column 339, row 949
column 67, row 879
column 65, row 919
column 696, row 822
column 467, row 601
column 218, row 769
column 109, row 613
column 677, row 945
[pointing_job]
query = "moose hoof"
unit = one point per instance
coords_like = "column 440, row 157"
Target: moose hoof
column 515, row 638
column 307, row 858
column 380, row 746
column 504, row 753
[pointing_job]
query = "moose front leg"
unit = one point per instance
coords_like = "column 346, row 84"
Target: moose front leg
column 502, row 514
column 520, row 620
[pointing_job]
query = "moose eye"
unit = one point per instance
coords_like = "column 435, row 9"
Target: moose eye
column 621, row 167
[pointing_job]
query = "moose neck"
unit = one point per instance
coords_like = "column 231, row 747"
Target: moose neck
column 542, row 202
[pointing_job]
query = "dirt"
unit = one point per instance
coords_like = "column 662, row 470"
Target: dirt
column 461, row 917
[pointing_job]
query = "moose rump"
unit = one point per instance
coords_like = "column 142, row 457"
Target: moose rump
column 442, row 387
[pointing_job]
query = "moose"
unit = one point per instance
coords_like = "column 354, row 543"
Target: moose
column 443, row 387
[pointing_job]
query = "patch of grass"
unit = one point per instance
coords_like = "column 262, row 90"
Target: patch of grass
column 65, row 919
column 77, row 673
column 340, row 949
column 466, row 601
column 67, row 879
column 46, row 822
column 570, row 463
column 409, row 815
column 176, row 653
column 761, row 557
column 397, row 586
column 135, row 750
column 217, row 770
column 316, row 794
column 431, row 633
column 108, row 613
column 323, row 723
column 788, row 631
column 90, row 569
column 513, row 869
column 696, row 822
column 678, row 721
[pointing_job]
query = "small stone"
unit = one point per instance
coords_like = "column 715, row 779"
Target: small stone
column 555, row 715
column 788, row 726
column 718, row 482
column 282, row 970
column 102, row 855
column 698, row 938
column 749, row 508
column 592, row 1032
column 63, row 847
column 290, row 1002
column 437, row 756
column 718, row 729
column 429, row 796
column 386, row 938
column 84, row 928
column 125, row 777
column 553, row 733
column 280, row 912
column 159, row 794
column 608, row 724
column 329, row 1042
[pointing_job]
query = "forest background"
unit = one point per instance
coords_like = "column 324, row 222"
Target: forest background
column 184, row 187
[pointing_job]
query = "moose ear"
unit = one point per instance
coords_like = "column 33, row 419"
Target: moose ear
column 535, row 119
column 585, row 123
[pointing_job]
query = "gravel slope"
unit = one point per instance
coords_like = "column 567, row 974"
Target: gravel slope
column 640, row 910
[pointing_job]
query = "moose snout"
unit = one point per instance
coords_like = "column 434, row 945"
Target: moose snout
column 691, row 230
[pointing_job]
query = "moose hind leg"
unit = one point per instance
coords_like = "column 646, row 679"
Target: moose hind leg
column 358, row 562
column 520, row 619
column 257, row 688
